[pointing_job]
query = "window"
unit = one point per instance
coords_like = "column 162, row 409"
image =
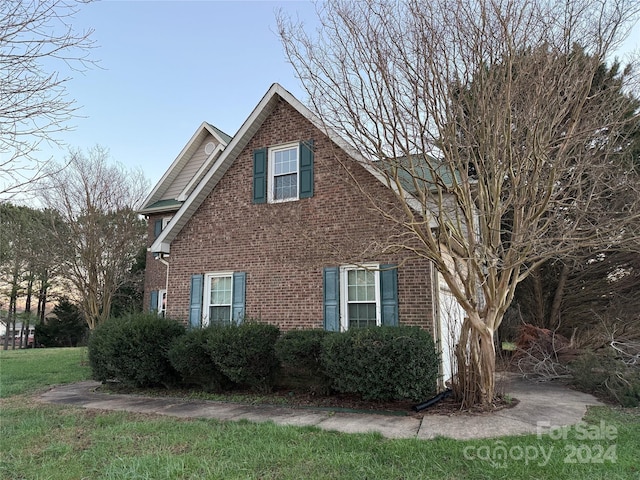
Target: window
column 360, row 297
column 158, row 302
column 283, row 177
column 283, row 173
column 160, row 225
column 218, row 296
column 162, row 302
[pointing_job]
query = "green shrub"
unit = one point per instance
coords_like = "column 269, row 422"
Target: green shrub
column 603, row 374
column 133, row 350
column 382, row 363
column 245, row 353
column 299, row 352
column 301, row 348
column 190, row 357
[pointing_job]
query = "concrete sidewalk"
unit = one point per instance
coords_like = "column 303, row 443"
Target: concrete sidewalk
column 541, row 406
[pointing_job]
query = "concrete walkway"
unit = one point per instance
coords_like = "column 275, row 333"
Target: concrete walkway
column 541, row 406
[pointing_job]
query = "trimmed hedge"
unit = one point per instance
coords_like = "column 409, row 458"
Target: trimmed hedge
column 190, row 357
column 382, row 363
column 245, row 353
column 302, row 349
column 300, row 352
column 134, row 350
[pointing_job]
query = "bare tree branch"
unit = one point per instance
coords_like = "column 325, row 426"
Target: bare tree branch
column 37, row 41
column 102, row 233
column 483, row 118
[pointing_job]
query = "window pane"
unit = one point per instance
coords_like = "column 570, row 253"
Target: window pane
column 221, row 291
column 361, row 286
column 362, row 315
column 285, row 161
column 285, row 186
column 219, row 315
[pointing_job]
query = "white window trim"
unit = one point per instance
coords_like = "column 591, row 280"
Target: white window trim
column 162, row 294
column 206, row 303
column 165, row 222
column 344, row 297
column 271, row 170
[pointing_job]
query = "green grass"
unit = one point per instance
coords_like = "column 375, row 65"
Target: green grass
column 23, row 371
column 40, row 441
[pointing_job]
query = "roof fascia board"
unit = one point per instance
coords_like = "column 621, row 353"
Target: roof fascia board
column 213, row 132
column 196, row 178
column 148, row 211
column 160, row 187
column 160, row 245
column 413, row 202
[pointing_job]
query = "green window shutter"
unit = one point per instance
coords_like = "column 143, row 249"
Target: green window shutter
column 153, row 303
column 389, row 294
column 306, row 169
column 239, row 286
column 195, row 301
column 157, row 228
column 260, row 175
column 331, row 292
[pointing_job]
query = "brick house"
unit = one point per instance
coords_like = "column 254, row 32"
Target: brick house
column 276, row 224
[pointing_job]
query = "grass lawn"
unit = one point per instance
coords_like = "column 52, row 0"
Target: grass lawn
column 40, row 441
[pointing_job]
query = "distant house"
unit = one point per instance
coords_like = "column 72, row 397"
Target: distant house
column 23, row 336
column 274, row 224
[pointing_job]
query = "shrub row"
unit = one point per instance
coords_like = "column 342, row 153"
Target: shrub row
column 379, row 363
column 134, row 350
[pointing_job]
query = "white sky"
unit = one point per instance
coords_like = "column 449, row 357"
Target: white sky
column 167, row 66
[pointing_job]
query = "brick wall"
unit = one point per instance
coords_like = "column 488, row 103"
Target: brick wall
column 284, row 247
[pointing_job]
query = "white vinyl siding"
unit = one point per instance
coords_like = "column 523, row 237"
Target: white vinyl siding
column 189, row 171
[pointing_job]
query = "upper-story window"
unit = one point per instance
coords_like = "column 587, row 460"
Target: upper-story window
column 160, row 225
column 283, row 177
column 283, row 173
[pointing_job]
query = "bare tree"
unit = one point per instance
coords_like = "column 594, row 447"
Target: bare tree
column 480, row 116
column 36, row 36
column 101, row 234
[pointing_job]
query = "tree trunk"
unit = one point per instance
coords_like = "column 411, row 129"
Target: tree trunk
column 13, row 300
column 538, row 297
column 474, row 382
column 554, row 314
column 42, row 295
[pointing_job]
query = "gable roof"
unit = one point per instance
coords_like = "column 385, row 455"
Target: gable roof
column 421, row 172
column 248, row 129
column 157, row 200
